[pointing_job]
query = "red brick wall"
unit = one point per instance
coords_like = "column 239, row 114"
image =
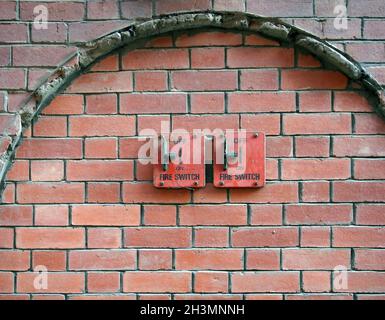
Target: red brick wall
column 78, row 202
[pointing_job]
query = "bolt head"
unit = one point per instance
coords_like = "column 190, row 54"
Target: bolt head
column 161, row 183
column 221, row 183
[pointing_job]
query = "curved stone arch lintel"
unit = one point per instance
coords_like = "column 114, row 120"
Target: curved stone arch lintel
column 89, row 53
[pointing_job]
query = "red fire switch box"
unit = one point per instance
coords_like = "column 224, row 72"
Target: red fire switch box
column 239, row 160
column 181, row 163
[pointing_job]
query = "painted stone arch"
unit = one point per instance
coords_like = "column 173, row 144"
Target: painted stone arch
column 136, row 34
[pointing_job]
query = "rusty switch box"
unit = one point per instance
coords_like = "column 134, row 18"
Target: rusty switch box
column 180, row 163
column 239, row 160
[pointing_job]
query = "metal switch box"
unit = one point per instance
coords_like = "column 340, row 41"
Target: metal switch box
column 181, row 163
column 239, row 160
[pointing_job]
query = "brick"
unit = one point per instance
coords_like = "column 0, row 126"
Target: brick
column 261, row 102
column 370, row 297
column 351, row 101
column 316, row 281
column 208, row 297
column 7, row 282
column 101, row 148
column 370, row 214
column 209, row 259
column 202, row 122
column 369, row 259
column 5, row 60
column 359, row 146
column 40, row 56
column 58, row 11
column 324, row 28
column 229, row 5
column 325, row 8
column 213, row 215
column 149, row 122
column 207, row 58
column 264, row 237
column 362, row 282
column 165, row 281
column 372, row 8
column 146, row 193
column 50, row 238
column 155, row 215
column 102, row 259
column 110, row 63
column 307, row 60
column 50, row 127
column 99, row 126
column 358, row 191
column 55, row 33
column 211, row 237
column 14, row 33
column 101, row 104
column 281, row 8
column 259, row 40
column 276, row 281
column 103, row 192
column 311, row 214
column 12, row 78
column 47, row 170
column 6, row 238
column 312, row 79
column 142, row 8
column 151, row 81
column 90, row 30
column 8, row 195
column 51, row 215
column 106, row 215
column 369, row 124
column 314, row 259
column 366, row 51
column 103, row 282
column 315, row 101
column 315, row 236
column 204, row 80
column 265, row 215
column 155, row 259
column 313, row 296
column 279, row 146
column 358, row 237
column 102, row 82
column 373, row 169
column 14, row 297
column 49, row 148
column 283, row 192
column 8, row 10
column 159, row 42
column 15, row 215
column 209, row 39
column 129, row 147
column 19, row 171
column 103, row 297
column 14, row 260
column 262, row 79
column 167, row 6
column 106, row 9
column 244, row 57
column 312, row 146
column 157, row 237
column 153, row 103
column 262, row 259
column 51, row 259
column 110, row 238
column 207, row 103
column 317, row 124
column 263, row 297
column 270, row 124
column 63, row 282
column 48, row 297
column 147, row 59
column 9, row 124
column 65, row 105
column 215, row 282
column 315, row 169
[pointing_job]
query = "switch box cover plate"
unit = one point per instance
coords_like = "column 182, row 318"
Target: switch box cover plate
column 243, row 160
column 186, row 163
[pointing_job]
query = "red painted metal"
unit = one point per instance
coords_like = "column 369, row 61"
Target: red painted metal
column 249, row 149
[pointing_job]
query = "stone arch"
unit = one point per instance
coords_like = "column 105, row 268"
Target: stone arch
column 91, row 52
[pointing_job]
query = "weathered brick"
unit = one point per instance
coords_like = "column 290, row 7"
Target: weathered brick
column 214, row 38
column 317, row 124
column 261, row 102
column 204, row 80
column 263, row 259
column 265, row 237
column 369, row 259
column 359, row 146
column 14, row 260
column 150, row 259
column 51, row 215
column 355, row 236
column 356, row 191
column 102, row 259
column 146, row 193
column 312, row 79
column 215, row 282
column 370, row 214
